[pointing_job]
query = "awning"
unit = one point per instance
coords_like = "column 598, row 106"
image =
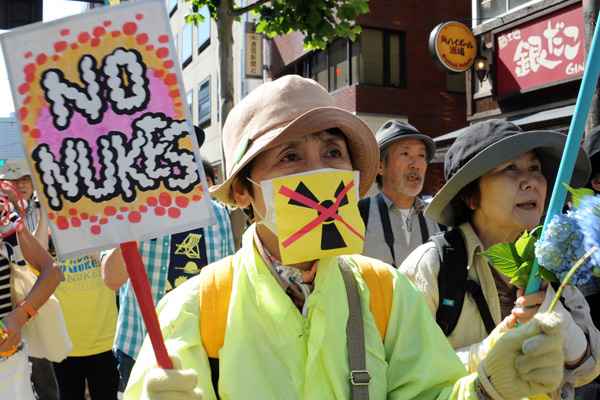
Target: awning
column 521, row 119
column 540, row 116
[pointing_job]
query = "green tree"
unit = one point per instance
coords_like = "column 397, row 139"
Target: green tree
column 319, row 20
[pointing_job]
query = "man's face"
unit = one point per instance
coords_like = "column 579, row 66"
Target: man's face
column 24, row 186
column 403, row 170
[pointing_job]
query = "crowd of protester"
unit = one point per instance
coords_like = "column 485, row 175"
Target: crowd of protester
column 238, row 323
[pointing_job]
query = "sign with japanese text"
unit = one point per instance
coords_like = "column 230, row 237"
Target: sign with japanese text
column 104, row 123
column 254, row 58
column 541, row 52
column 453, row 45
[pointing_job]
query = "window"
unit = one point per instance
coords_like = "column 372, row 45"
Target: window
column 318, row 68
column 338, row 65
column 377, row 57
column 371, row 57
column 171, row 6
column 204, row 30
column 382, row 58
column 488, row 9
column 354, row 61
column 204, row 103
column 189, row 99
column 185, row 54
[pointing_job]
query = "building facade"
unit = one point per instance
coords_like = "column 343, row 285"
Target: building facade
column 388, row 71
column 534, row 53
column 197, row 48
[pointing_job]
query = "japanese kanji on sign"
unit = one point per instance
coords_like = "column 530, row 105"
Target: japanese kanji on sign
column 104, row 125
column 541, row 52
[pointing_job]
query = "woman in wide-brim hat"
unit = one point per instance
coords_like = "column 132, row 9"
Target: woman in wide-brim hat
column 250, row 327
column 498, row 182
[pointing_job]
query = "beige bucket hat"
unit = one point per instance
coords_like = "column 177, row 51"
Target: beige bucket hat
column 286, row 107
column 14, row 169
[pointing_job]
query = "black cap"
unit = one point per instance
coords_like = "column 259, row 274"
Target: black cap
column 395, row 130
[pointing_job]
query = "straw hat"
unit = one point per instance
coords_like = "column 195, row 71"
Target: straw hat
column 286, row 107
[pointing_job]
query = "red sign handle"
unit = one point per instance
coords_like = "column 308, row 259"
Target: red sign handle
column 141, row 287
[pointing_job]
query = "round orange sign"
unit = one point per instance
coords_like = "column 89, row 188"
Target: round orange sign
column 453, row 45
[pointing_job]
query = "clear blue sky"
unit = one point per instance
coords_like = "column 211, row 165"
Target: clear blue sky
column 53, row 9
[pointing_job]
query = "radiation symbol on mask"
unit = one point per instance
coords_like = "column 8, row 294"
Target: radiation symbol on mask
column 331, row 238
column 317, row 216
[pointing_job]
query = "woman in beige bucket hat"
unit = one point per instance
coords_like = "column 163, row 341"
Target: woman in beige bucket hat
column 328, row 328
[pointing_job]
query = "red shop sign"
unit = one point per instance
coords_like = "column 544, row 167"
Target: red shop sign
column 549, row 50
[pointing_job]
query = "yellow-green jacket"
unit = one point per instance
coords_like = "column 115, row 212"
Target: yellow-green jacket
column 271, row 351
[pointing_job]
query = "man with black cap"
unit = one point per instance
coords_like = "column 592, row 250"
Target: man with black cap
column 394, row 217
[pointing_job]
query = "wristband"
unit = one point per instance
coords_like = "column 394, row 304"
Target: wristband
column 29, row 310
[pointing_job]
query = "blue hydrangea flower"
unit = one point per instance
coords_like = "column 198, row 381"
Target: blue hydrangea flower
column 561, row 245
column 588, row 219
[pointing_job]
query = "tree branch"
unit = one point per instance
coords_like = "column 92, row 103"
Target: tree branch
column 241, row 11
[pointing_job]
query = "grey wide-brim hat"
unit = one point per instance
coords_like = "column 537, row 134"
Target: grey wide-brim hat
column 481, row 147
column 395, row 130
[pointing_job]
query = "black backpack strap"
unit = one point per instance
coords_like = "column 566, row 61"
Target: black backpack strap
column 475, row 291
column 452, row 278
column 388, row 234
column 423, row 227
column 363, row 207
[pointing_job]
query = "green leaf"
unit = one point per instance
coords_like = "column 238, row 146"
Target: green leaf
column 596, row 272
column 521, row 276
column 546, row 275
column 525, row 246
column 504, row 258
column 578, row 194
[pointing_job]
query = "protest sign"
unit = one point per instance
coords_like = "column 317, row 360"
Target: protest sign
column 104, row 122
column 317, row 215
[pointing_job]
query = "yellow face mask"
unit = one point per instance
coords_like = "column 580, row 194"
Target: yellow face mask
column 314, row 214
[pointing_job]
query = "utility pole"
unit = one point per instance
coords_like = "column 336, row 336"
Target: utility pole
column 590, row 16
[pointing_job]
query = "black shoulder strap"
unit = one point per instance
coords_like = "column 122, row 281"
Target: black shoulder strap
column 452, row 278
column 386, row 225
column 363, row 207
column 423, row 227
column 453, row 283
column 475, row 291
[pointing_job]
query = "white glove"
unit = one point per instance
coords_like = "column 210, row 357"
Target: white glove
column 575, row 343
column 172, row 384
column 472, row 355
column 525, row 361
